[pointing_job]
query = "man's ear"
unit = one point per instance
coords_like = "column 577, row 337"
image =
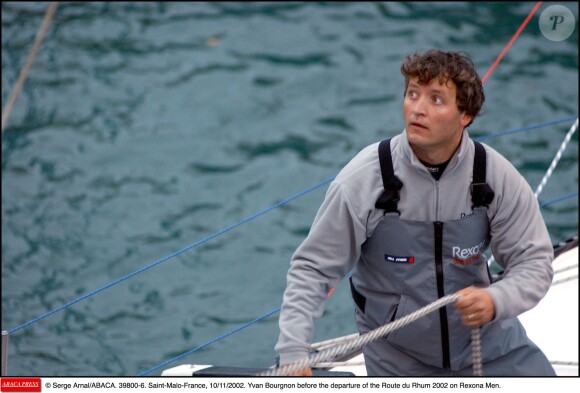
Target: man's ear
column 465, row 119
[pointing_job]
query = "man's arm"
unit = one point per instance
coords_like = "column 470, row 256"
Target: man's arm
column 318, row 265
column 520, row 243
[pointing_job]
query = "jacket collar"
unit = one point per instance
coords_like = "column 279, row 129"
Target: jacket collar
column 458, row 156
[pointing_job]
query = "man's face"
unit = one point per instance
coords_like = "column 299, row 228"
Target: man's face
column 433, row 122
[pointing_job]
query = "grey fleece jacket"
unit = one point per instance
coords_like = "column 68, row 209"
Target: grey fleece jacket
column 520, row 241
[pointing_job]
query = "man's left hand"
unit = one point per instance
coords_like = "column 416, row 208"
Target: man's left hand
column 476, row 306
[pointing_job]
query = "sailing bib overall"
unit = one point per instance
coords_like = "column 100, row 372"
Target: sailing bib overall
column 406, row 265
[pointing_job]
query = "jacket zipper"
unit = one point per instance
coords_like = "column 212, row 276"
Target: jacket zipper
column 440, row 293
column 438, row 226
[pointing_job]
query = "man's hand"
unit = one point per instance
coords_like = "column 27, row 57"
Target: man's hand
column 307, row 372
column 476, row 306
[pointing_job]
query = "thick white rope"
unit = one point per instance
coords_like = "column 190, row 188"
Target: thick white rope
column 29, row 60
column 340, row 364
column 322, row 345
column 358, row 341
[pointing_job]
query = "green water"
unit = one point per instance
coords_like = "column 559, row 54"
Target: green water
column 145, row 127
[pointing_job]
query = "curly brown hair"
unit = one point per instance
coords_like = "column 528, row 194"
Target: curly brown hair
column 454, row 66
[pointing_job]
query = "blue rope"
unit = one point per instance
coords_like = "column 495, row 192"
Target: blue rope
column 560, row 199
column 267, row 315
column 173, row 255
column 243, row 222
column 522, row 129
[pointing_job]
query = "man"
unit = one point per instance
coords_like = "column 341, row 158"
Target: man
column 413, row 217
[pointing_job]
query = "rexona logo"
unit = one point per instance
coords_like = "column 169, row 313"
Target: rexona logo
column 20, row 385
column 466, row 256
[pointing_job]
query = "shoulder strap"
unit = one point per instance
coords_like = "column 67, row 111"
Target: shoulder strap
column 390, row 197
column 481, row 192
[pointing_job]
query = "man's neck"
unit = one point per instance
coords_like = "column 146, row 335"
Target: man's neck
column 437, row 156
column 433, row 158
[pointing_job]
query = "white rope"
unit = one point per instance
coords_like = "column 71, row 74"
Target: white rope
column 340, row 364
column 28, row 64
column 476, row 352
column 556, row 158
column 359, row 341
column 564, row 363
column 322, row 345
column 552, row 166
column 563, row 280
column 565, row 269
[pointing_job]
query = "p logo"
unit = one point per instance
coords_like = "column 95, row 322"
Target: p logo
column 557, row 23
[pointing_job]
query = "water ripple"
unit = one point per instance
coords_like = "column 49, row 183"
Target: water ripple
column 303, row 60
column 300, row 145
column 209, row 69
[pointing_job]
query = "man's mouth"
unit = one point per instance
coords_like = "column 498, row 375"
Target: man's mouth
column 418, row 125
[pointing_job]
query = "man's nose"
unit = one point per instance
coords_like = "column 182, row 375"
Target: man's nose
column 419, row 106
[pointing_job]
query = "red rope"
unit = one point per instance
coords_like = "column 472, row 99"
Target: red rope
column 510, row 43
